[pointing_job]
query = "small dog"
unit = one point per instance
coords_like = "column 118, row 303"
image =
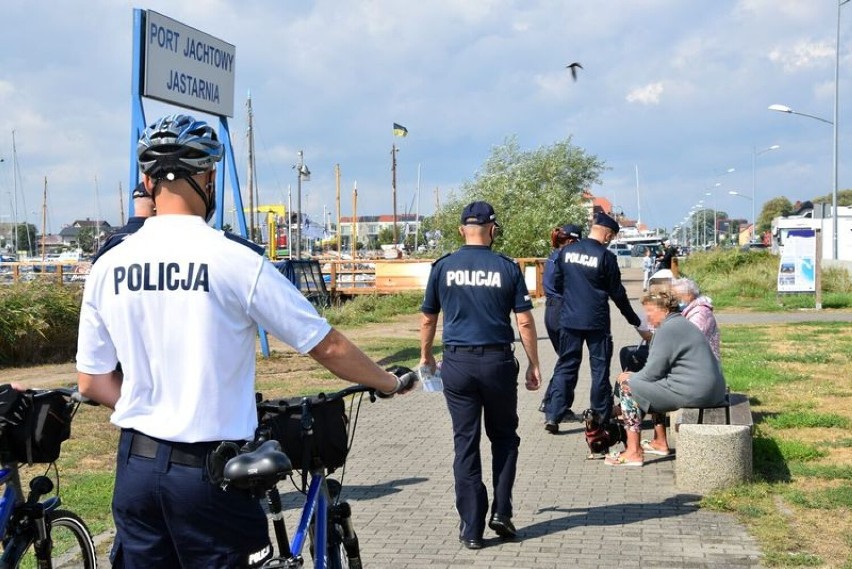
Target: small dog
column 601, row 436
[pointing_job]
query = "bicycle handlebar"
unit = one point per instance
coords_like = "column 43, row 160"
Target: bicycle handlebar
column 279, row 405
column 71, row 392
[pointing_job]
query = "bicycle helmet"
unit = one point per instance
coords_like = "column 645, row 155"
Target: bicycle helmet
column 178, row 146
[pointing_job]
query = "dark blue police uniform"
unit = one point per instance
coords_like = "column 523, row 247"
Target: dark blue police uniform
column 591, row 274
column 477, row 289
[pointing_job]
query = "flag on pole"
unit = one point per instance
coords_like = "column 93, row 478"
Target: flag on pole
column 399, row 130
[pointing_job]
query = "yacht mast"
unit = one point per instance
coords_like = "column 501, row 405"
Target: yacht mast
column 250, row 173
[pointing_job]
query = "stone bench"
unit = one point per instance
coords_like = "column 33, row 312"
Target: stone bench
column 714, row 446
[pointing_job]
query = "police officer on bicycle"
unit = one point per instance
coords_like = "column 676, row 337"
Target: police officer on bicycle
column 477, row 290
column 179, row 304
column 590, row 278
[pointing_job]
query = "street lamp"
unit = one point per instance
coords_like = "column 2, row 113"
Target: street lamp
column 736, row 193
column 302, row 173
column 755, row 153
column 788, row 110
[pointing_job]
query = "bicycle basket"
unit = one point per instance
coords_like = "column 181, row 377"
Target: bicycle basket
column 46, row 425
column 329, row 445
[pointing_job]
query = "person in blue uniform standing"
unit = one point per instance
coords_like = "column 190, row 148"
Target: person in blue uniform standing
column 477, row 290
column 143, row 208
column 559, row 237
column 590, row 272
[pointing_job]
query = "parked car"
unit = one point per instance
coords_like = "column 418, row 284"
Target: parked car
column 754, row 246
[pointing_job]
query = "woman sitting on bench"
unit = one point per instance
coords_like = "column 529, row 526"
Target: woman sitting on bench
column 681, row 371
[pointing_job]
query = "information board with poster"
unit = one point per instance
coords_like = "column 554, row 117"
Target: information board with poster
column 797, row 270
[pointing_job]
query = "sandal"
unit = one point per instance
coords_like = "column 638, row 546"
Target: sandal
column 649, row 449
column 615, row 459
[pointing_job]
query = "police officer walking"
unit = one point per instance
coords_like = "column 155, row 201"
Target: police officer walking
column 590, row 278
column 477, row 289
column 179, row 304
column 559, row 237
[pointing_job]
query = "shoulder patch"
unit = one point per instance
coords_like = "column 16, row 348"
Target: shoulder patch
column 242, row 241
column 441, row 258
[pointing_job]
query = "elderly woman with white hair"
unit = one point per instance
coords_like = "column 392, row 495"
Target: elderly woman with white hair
column 698, row 309
column 681, row 371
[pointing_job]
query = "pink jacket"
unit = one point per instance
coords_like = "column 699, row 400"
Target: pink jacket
column 700, row 313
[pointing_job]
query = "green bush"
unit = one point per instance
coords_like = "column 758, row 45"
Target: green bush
column 748, row 279
column 38, row 323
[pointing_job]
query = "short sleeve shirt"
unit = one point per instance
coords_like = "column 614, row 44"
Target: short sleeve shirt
column 179, row 304
column 477, row 289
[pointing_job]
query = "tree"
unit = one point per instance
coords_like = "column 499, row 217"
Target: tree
column 531, row 191
column 385, row 236
column 86, row 239
column 776, row 207
column 26, row 237
column 844, row 198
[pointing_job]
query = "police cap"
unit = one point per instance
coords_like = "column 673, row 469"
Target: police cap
column 572, row 231
column 478, row 213
column 608, row 222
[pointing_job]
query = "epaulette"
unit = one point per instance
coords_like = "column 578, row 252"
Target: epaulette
column 441, row 258
column 243, row 241
column 508, row 258
column 109, row 244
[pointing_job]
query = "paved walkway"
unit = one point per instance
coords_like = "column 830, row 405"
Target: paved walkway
column 570, row 512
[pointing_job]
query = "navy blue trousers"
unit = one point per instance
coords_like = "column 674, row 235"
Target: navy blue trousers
column 482, row 387
column 552, row 309
column 171, row 516
column 567, row 370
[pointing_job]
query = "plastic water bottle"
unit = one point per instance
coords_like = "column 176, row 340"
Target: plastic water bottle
column 431, row 381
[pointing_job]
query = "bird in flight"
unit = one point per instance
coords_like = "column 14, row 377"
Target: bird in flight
column 573, row 67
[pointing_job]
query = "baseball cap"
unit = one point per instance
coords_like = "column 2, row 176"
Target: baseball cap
column 478, row 213
column 572, row 231
column 608, row 222
column 140, row 192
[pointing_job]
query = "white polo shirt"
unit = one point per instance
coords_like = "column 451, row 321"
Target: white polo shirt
column 179, row 304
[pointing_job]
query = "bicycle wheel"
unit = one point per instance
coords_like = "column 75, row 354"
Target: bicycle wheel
column 72, row 543
column 343, row 553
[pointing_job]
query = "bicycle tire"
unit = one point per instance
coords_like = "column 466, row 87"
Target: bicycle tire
column 339, row 557
column 73, row 546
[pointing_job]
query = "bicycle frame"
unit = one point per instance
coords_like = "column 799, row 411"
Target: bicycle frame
column 316, row 508
column 11, row 502
column 319, row 512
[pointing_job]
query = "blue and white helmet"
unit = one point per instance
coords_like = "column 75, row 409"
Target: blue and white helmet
column 178, row 146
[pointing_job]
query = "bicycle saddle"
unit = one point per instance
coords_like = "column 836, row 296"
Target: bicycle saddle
column 258, row 469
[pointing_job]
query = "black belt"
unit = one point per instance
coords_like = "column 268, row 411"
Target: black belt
column 480, row 349
column 185, row 454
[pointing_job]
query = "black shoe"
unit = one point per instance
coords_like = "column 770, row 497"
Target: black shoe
column 471, row 543
column 551, row 427
column 503, row 526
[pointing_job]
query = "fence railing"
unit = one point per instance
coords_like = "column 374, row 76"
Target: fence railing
column 341, row 276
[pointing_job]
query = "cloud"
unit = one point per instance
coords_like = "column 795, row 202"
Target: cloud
column 647, row 95
column 803, row 55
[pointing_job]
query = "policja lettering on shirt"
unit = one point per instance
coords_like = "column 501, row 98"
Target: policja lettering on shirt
column 473, row 278
column 165, row 276
column 581, row 259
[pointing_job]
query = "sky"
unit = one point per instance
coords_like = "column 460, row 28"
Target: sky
column 674, row 91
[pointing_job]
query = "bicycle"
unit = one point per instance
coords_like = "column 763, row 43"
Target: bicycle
column 36, row 532
column 325, row 520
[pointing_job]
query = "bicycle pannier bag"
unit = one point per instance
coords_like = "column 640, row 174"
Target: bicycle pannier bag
column 40, row 434
column 330, row 442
